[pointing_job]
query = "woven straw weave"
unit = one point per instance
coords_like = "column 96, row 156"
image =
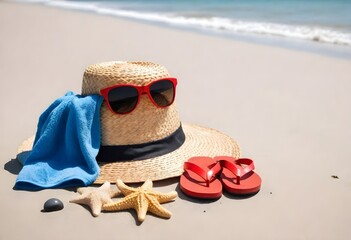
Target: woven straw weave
column 147, row 122
column 102, row 75
column 200, row 141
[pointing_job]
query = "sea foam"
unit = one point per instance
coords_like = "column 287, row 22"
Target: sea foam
column 311, row 33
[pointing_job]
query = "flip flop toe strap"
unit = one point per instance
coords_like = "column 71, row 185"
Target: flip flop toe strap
column 208, row 175
column 236, row 167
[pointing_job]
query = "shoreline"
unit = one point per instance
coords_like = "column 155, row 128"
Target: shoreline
column 303, row 45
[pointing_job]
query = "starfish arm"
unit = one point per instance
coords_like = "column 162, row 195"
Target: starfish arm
column 156, row 208
column 141, row 206
column 125, row 203
column 83, row 190
column 96, row 209
column 105, row 187
column 164, row 197
column 147, row 185
column 93, row 203
column 142, row 212
column 81, row 199
column 124, row 188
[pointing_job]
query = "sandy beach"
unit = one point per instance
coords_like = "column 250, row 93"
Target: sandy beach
column 289, row 110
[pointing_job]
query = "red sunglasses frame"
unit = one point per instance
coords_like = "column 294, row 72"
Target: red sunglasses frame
column 141, row 90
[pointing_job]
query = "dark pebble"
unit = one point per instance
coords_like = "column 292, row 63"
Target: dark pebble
column 53, row 204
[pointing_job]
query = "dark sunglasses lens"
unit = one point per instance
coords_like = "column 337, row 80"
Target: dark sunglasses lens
column 123, row 99
column 162, row 92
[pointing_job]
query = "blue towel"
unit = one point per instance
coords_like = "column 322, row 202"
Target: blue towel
column 65, row 146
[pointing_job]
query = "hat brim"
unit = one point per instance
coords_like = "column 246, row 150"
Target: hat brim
column 199, row 141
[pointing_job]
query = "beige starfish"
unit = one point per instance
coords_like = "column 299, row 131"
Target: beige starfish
column 142, row 199
column 95, row 198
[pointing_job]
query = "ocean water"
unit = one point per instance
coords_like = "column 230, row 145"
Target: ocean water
column 326, row 22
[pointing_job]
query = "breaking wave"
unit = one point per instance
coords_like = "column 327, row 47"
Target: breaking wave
column 312, row 33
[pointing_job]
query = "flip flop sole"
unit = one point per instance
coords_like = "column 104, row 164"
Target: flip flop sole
column 249, row 184
column 195, row 186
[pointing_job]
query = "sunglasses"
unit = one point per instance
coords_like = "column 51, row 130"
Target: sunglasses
column 123, row 98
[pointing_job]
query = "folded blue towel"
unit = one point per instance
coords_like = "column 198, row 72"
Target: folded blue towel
column 65, row 146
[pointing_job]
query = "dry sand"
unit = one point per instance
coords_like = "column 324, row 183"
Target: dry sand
column 290, row 111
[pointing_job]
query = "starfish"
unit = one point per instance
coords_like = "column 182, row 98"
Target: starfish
column 142, row 199
column 95, row 198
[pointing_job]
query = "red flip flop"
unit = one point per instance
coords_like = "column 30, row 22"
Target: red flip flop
column 238, row 176
column 199, row 180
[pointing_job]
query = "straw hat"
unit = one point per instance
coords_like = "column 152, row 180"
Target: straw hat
column 147, row 125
